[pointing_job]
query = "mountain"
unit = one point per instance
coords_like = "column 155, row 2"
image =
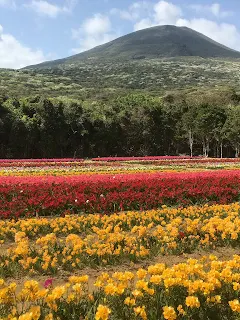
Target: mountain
column 157, row 59
column 152, row 43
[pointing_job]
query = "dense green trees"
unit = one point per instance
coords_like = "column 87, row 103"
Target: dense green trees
column 231, row 129
column 195, row 123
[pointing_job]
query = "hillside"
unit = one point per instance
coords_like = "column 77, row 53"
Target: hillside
column 116, row 67
column 96, row 80
column 152, row 43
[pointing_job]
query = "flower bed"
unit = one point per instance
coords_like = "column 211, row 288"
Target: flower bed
column 194, row 290
column 73, row 242
column 26, row 196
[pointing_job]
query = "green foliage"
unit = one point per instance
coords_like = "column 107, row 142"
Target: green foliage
column 128, row 124
column 231, row 129
column 103, row 81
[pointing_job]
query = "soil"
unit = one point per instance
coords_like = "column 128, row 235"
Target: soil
column 225, row 253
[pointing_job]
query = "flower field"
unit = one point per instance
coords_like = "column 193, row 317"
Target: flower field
column 190, row 290
column 48, row 195
column 125, row 239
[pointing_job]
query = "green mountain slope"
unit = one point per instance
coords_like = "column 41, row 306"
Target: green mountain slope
column 87, row 79
column 152, row 43
column 155, row 59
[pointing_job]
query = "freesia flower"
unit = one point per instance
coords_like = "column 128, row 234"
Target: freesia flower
column 48, row 283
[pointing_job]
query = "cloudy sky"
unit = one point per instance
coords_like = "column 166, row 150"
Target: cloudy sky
column 32, row 31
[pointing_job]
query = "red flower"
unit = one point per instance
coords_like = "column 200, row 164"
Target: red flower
column 181, row 235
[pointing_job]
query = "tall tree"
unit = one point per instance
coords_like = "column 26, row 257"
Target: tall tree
column 232, row 128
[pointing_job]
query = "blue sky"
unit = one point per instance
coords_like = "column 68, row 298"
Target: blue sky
column 32, row 31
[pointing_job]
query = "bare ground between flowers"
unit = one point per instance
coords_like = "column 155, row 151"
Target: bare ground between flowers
column 224, row 253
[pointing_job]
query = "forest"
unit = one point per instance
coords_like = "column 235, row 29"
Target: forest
column 197, row 122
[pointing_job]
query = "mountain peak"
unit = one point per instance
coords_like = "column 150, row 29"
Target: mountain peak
column 153, row 43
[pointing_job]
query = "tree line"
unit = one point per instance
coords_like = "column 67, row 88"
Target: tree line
column 134, row 124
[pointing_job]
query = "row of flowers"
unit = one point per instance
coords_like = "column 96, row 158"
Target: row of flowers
column 146, row 158
column 116, row 161
column 198, row 289
column 37, row 162
column 72, row 169
column 77, row 224
column 76, row 242
column 26, row 196
column 79, row 161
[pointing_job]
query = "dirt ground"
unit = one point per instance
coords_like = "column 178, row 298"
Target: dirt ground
column 170, row 260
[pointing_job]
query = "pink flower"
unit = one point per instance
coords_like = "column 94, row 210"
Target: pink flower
column 48, row 283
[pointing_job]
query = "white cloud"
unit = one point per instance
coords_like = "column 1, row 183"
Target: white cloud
column 134, row 11
column 163, row 13
column 13, row 54
column 166, row 12
column 8, row 4
column 214, row 9
column 143, row 24
column 97, row 24
column 93, row 32
column 123, row 14
column 48, row 9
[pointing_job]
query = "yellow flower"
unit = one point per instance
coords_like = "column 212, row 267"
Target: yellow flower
column 156, row 279
column 30, row 291
column 49, row 317
column 180, row 310
column 13, row 286
column 102, row 313
column 236, row 286
column 212, row 257
column 14, row 311
column 33, row 314
column 42, row 293
column 137, row 293
column 215, row 299
column 192, row 302
column 234, row 305
column 141, row 312
column 58, row 292
column 110, row 289
column 75, row 279
column 130, row 302
column 140, row 284
column 141, row 274
column 19, row 236
column 91, row 297
column 150, row 291
column 77, row 288
column 70, row 298
column 120, row 289
column 169, row 313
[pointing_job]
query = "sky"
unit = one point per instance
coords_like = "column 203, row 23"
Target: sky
column 33, row 31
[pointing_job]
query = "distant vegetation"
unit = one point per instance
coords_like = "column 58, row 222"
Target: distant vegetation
column 90, row 80
column 130, row 124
